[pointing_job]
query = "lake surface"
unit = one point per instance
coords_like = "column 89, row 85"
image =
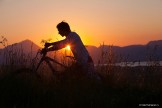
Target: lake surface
column 133, row 64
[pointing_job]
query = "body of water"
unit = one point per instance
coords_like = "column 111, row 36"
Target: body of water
column 133, row 64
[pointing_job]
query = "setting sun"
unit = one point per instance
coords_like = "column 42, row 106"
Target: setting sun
column 68, row 47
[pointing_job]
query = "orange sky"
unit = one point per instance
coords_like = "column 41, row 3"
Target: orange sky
column 117, row 22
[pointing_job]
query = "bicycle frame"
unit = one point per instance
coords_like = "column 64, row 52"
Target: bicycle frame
column 48, row 60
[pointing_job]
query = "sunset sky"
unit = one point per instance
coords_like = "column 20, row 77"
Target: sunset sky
column 117, row 22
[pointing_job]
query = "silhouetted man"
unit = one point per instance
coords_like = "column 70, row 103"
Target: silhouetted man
column 81, row 55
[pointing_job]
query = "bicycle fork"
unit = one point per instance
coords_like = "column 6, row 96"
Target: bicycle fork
column 47, row 60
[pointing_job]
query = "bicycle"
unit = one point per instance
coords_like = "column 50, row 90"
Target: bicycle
column 32, row 70
column 73, row 71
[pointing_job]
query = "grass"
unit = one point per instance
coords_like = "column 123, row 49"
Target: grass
column 120, row 87
column 31, row 92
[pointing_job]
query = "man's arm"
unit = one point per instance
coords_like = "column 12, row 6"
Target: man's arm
column 57, row 45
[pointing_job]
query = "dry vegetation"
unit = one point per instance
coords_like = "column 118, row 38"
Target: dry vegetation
column 120, row 86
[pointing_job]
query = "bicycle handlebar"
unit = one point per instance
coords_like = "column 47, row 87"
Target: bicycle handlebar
column 44, row 57
column 43, row 51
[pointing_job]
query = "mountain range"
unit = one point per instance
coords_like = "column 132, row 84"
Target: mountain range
column 150, row 51
column 104, row 53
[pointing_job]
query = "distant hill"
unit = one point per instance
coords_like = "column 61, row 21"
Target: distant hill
column 26, row 45
column 152, row 50
column 155, row 43
column 19, row 50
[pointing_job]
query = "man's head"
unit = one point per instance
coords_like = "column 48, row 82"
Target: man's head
column 63, row 28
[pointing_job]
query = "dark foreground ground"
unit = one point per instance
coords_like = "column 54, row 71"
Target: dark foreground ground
column 70, row 91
